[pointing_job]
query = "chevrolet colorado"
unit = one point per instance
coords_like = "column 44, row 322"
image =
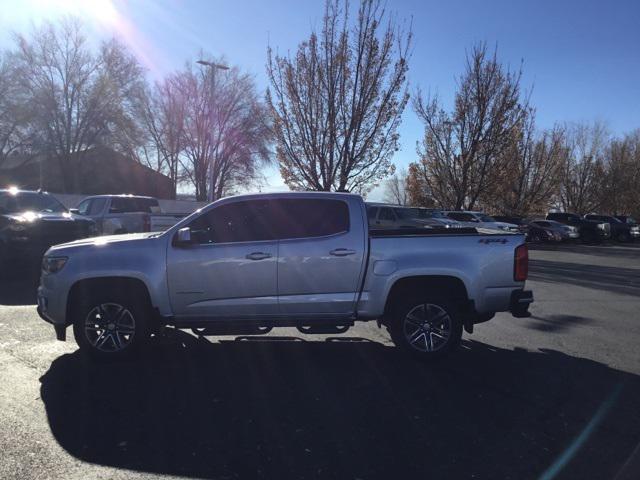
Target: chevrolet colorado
column 248, row 263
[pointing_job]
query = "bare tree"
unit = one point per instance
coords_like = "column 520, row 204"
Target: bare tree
column 583, row 167
column 82, row 99
column 618, row 188
column 461, row 150
column 15, row 112
column 531, row 172
column 337, row 103
column 162, row 115
column 226, row 134
column 395, row 189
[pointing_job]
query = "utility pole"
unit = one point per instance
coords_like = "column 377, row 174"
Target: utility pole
column 213, row 67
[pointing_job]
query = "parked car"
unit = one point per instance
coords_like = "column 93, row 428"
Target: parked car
column 480, row 219
column 381, row 215
column 521, row 222
column 627, row 219
column 30, row 222
column 306, row 260
column 550, row 231
column 589, row 230
column 438, row 215
column 118, row 214
column 621, row 231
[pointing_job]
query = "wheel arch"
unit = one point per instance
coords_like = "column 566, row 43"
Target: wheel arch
column 443, row 286
column 88, row 286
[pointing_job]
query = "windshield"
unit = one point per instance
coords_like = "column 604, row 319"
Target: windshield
column 29, row 202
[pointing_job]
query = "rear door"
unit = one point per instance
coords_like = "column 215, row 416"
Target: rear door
column 320, row 256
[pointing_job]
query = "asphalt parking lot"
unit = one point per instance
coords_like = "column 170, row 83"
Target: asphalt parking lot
column 552, row 396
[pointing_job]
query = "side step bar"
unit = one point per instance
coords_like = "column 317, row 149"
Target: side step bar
column 203, row 327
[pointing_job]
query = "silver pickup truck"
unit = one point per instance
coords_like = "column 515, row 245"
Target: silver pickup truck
column 249, row 263
column 118, row 214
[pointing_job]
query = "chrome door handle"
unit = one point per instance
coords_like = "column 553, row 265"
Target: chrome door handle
column 258, row 256
column 341, row 252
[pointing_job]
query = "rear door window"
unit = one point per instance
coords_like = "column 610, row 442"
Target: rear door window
column 121, row 205
column 146, row 204
column 305, row 218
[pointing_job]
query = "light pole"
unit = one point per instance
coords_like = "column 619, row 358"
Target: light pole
column 213, row 67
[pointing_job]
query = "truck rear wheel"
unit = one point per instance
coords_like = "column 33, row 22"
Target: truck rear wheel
column 425, row 328
column 111, row 326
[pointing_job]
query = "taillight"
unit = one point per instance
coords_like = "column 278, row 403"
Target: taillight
column 521, row 263
column 146, row 223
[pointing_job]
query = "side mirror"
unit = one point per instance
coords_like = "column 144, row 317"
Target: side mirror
column 75, row 211
column 183, row 237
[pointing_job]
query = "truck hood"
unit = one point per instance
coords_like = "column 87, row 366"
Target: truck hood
column 110, row 239
column 29, row 217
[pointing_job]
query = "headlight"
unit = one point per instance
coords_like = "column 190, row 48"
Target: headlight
column 602, row 226
column 53, row 264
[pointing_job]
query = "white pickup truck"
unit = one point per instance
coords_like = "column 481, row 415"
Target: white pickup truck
column 118, row 214
column 249, row 263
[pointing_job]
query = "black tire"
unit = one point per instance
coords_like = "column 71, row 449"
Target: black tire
column 624, row 237
column 3, row 261
column 111, row 325
column 428, row 342
column 589, row 238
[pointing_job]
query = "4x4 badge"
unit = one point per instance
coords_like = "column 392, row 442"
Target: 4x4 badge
column 492, row 240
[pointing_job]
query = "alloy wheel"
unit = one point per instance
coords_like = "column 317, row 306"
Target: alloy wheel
column 427, row 327
column 110, row 327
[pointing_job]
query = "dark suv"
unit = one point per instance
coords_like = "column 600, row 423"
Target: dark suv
column 31, row 222
column 621, row 231
column 590, row 231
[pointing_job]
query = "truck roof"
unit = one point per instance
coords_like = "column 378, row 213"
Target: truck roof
column 121, row 195
column 296, row 194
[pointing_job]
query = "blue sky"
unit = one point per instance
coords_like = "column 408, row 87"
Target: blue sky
column 582, row 58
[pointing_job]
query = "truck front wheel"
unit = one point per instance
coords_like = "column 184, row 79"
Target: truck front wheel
column 111, row 326
column 425, row 328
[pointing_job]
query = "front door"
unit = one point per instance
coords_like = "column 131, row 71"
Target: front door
column 230, row 270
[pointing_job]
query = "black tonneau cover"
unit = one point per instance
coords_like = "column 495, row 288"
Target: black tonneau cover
column 424, row 232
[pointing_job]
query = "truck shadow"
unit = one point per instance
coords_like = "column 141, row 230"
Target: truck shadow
column 274, row 408
column 18, row 287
